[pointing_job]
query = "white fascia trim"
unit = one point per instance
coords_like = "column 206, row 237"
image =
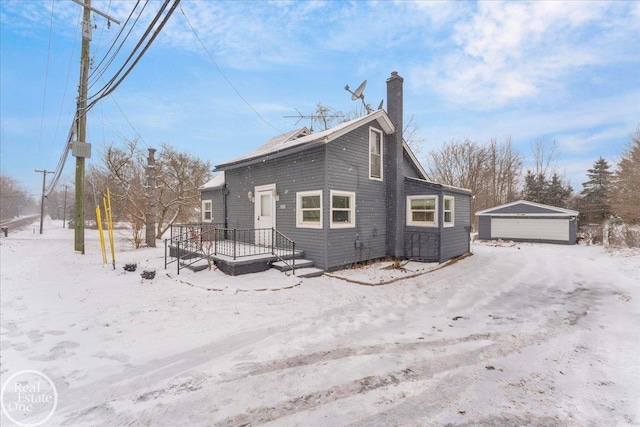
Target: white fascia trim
column 527, row 215
column 378, row 115
column 561, row 211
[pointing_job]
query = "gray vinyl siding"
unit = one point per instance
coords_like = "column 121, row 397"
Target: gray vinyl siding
column 439, row 243
column 348, row 170
column 455, row 240
column 299, row 172
column 421, row 243
column 573, row 231
column 484, row 227
column 522, row 208
column 216, row 198
column 408, row 170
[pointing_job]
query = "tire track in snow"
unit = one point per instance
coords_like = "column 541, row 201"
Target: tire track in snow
column 92, row 400
column 472, row 356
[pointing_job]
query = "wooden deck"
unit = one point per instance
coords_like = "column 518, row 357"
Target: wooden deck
column 248, row 258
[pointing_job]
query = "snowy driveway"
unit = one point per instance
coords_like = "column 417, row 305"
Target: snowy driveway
column 514, row 335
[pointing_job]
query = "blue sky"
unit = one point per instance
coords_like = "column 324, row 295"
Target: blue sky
column 564, row 71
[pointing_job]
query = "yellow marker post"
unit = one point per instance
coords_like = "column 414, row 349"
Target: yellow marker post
column 109, row 217
column 102, row 245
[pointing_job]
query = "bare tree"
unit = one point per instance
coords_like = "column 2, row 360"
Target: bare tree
column 503, row 169
column 14, row 199
column 542, row 182
column 544, row 158
column 412, row 134
column 491, row 171
column 327, row 116
column 60, row 201
column 460, row 164
column 180, row 176
column 626, row 185
column 125, row 167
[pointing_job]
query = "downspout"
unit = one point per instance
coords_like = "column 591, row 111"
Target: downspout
column 470, row 225
column 440, row 222
column 326, row 203
column 225, row 192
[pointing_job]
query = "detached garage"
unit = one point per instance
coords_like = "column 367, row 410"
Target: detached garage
column 528, row 222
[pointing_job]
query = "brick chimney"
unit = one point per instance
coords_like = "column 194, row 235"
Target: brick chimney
column 394, row 156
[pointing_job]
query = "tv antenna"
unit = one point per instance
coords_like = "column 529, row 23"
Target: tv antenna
column 359, row 94
column 312, row 117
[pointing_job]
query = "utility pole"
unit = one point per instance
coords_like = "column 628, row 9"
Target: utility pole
column 44, row 179
column 81, row 149
column 64, row 208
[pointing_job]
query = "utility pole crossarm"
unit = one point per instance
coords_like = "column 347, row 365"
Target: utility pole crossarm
column 96, row 11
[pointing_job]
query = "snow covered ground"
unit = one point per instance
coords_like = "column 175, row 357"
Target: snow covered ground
column 527, row 334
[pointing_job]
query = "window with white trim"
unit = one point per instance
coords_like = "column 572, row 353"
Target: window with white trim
column 422, row 211
column 375, row 154
column 309, row 209
column 343, row 209
column 207, row 211
column 449, row 211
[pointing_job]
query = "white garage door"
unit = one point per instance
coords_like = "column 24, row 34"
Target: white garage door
column 530, row 228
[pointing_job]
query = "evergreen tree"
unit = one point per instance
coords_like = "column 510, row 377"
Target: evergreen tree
column 596, row 192
column 534, row 187
column 539, row 189
column 557, row 193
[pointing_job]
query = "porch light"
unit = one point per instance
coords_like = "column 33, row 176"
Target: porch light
column 250, row 196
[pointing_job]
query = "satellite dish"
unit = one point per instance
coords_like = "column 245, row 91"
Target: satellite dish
column 358, row 93
column 380, row 105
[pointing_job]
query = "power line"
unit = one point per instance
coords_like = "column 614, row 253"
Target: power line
column 46, row 80
column 115, row 81
column 224, row 76
column 112, row 85
column 127, row 119
column 100, row 72
column 66, row 83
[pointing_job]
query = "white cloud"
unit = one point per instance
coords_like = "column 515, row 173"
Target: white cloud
column 583, row 141
column 507, row 52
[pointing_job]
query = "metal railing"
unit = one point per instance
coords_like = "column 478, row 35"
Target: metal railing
column 285, row 249
column 189, row 243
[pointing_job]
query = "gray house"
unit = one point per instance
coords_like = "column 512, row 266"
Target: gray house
column 348, row 194
column 528, row 222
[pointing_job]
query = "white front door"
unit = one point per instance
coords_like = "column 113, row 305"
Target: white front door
column 265, row 213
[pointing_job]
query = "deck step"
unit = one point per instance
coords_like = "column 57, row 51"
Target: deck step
column 196, row 266
column 309, row 272
column 288, row 256
column 300, row 263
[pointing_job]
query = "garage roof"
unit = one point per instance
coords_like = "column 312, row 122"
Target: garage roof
column 527, row 209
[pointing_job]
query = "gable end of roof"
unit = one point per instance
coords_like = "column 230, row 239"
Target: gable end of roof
column 551, row 210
